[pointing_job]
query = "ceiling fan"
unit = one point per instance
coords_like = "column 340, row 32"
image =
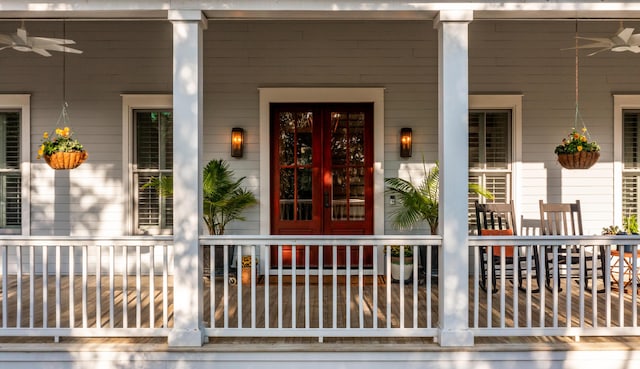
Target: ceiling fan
column 623, row 40
column 20, row 41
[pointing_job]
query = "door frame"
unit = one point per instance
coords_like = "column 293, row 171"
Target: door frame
column 373, row 95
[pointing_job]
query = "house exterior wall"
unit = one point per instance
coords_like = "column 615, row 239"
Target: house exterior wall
column 523, row 57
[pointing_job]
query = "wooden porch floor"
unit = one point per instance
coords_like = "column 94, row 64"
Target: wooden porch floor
column 61, row 317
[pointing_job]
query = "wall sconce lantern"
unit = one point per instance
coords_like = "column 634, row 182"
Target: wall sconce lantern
column 405, row 142
column 237, row 142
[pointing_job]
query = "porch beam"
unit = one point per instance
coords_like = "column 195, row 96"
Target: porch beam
column 453, row 133
column 187, row 176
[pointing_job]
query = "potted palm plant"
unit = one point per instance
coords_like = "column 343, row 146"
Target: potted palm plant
column 419, row 203
column 224, row 199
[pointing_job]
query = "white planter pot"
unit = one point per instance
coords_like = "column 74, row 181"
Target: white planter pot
column 395, row 271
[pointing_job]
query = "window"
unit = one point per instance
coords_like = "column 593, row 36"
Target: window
column 153, row 159
column 626, row 156
column 148, row 140
column 490, row 152
column 494, row 131
column 14, row 159
column 630, row 162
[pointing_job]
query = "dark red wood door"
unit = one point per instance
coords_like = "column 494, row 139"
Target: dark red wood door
column 322, row 176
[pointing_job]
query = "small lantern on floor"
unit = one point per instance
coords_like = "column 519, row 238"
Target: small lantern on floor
column 237, row 142
column 405, row 142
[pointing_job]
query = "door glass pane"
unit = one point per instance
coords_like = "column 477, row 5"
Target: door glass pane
column 287, row 136
column 304, row 194
column 339, row 195
column 339, row 138
column 296, row 159
column 356, row 138
column 287, row 194
column 356, row 194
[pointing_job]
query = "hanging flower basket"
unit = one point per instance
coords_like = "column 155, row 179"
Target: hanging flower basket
column 579, row 160
column 577, row 152
column 61, row 150
column 66, row 160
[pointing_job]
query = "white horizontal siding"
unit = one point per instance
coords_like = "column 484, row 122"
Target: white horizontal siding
column 241, row 56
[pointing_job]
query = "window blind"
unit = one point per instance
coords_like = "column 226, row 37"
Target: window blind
column 10, row 175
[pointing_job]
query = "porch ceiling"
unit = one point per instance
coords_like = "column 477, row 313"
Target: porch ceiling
column 320, row 9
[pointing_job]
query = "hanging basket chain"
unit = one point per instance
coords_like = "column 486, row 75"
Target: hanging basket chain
column 578, row 117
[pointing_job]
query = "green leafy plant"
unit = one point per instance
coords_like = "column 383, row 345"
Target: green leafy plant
column 419, row 203
column 630, row 224
column 60, row 141
column 610, row 230
column 395, row 250
column 223, row 197
column 576, row 142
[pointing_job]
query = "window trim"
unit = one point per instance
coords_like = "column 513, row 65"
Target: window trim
column 511, row 102
column 620, row 103
column 22, row 102
column 131, row 102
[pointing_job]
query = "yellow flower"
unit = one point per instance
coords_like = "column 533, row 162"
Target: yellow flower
column 65, row 132
column 579, row 148
column 584, row 129
column 58, row 131
column 45, row 135
column 583, row 139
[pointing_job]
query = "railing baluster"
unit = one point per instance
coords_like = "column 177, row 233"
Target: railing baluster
column 360, row 286
column 19, row 284
column 416, row 262
column 347, row 295
column 320, row 286
column 85, row 287
column 125, row 287
column 428, row 274
column 254, row 266
column 388, row 284
column 334, row 254
column 307, row 318
column 165, row 286
column 225, row 286
column 294, row 286
column 280, row 306
column 112, row 308
column 72, row 272
column 5, row 275
column 152, row 286
column 267, row 295
column 58, row 289
column 374, row 311
column 138, row 287
column 98, row 287
column 45, row 287
column 239, row 285
column 32, row 286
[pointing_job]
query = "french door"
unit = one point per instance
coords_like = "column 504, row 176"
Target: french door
column 322, row 176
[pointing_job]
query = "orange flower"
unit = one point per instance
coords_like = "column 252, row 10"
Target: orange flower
column 579, row 148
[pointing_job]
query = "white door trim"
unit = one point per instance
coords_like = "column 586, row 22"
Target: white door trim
column 322, row 95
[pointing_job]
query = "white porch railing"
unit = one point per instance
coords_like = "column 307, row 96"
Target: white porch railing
column 564, row 306
column 74, row 286
column 317, row 297
column 85, row 287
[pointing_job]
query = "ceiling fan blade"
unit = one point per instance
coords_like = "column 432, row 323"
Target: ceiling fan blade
column 50, row 40
column 624, row 35
column 6, row 39
column 60, row 48
column 22, row 34
column 5, row 47
column 599, row 51
column 42, row 52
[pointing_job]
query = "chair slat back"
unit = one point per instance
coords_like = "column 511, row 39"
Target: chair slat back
column 561, row 219
column 495, row 216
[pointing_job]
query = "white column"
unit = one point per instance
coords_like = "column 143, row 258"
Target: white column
column 188, row 27
column 453, row 134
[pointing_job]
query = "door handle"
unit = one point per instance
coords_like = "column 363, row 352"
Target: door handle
column 326, row 200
